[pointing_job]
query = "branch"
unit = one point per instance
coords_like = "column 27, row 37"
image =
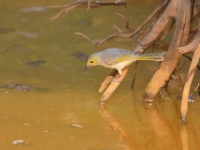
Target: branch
column 156, row 29
column 107, row 80
column 98, row 43
column 113, row 84
column 127, row 33
column 192, row 45
column 119, row 33
column 86, row 4
column 150, row 17
column 126, row 20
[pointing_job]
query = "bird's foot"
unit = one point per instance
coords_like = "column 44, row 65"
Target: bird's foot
column 116, row 79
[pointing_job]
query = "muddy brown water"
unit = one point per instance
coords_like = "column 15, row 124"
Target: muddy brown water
column 62, row 111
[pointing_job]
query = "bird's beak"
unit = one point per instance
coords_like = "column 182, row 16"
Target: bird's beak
column 88, row 66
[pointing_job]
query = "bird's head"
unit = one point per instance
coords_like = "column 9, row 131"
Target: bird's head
column 92, row 61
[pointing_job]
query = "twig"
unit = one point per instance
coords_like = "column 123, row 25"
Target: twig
column 98, row 43
column 150, row 17
column 85, row 4
column 134, row 74
column 197, row 86
column 126, row 20
column 63, row 11
column 117, row 29
column 87, row 38
column 157, row 28
column 122, row 34
column 152, row 24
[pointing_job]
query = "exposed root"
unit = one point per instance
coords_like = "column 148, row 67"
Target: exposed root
column 192, row 46
column 184, row 102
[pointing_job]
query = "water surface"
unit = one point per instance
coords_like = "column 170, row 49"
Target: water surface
column 62, row 110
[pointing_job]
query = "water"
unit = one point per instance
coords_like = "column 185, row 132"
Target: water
column 62, row 110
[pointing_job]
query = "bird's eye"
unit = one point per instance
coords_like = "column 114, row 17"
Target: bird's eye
column 91, row 61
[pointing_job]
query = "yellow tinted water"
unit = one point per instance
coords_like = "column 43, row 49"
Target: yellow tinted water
column 62, row 112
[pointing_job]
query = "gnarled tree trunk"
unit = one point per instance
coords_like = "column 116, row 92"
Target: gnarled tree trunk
column 180, row 11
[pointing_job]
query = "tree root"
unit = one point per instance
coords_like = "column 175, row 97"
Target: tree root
column 191, row 72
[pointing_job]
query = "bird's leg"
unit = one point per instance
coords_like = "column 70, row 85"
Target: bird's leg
column 116, row 78
column 138, row 53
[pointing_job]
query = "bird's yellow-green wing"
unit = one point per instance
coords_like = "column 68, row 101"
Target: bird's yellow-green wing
column 121, row 59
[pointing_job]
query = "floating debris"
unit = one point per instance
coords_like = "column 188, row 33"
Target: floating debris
column 19, row 143
column 31, row 9
column 20, row 87
column 191, row 98
column 34, row 62
column 81, row 56
column 76, row 125
column 28, row 34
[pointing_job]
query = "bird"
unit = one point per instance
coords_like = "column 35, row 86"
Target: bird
column 118, row 59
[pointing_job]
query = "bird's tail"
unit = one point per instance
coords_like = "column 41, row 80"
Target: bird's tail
column 157, row 56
